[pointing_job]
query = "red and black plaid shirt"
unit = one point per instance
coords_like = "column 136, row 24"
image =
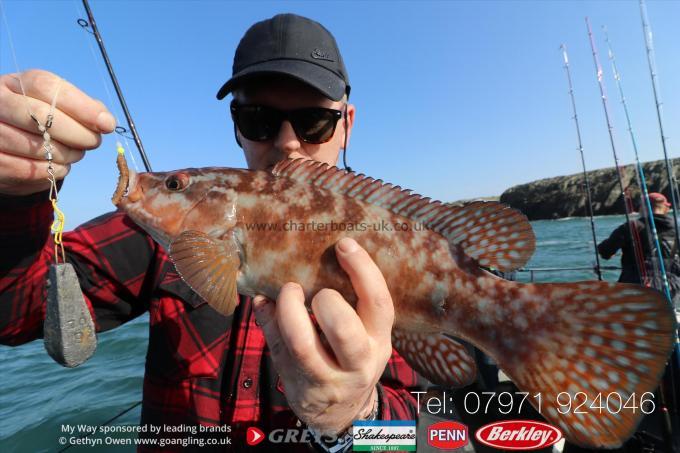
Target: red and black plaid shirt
column 202, row 367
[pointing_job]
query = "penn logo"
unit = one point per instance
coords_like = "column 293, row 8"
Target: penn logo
column 518, row 435
column 447, row 435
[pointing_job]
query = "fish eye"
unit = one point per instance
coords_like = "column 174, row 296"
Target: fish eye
column 177, row 182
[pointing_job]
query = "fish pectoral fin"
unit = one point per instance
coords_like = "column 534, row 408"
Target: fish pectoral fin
column 209, row 267
column 437, row 357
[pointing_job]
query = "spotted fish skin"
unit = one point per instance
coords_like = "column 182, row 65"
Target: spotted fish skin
column 230, row 230
column 257, row 208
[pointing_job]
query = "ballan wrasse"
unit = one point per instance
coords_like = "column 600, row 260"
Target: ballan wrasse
column 232, row 231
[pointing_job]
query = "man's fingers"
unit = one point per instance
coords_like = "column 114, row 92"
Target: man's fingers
column 344, row 330
column 42, row 85
column 298, row 332
column 20, row 173
column 24, row 144
column 64, row 128
column 265, row 314
column 21, row 169
column 375, row 303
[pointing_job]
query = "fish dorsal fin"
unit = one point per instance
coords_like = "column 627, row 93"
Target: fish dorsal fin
column 492, row 233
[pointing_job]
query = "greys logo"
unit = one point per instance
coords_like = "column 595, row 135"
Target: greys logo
column 298, row 436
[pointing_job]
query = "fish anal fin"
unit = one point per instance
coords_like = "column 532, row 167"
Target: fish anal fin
column 492, row 233
column 439, row 358
column 209, row 266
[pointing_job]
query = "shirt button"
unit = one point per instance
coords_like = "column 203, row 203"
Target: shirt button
column 248, row 383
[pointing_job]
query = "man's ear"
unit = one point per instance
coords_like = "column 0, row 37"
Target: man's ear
column 238, row 141
column 348, row 122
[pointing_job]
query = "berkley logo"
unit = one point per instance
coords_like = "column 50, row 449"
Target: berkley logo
column 447, row 435
column 518, row 435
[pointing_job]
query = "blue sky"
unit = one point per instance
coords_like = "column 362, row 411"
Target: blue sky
column 455, row 99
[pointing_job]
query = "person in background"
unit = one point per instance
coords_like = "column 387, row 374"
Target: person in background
column 620, row 239
column 649, row 435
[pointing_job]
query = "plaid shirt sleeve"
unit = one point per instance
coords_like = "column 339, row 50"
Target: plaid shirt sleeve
column 202, row 368
column 114, row 292
column 395, row 387
column 394, row 390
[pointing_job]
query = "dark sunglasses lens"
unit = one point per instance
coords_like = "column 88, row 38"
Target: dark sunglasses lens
column 257, row 123
column 314, row 125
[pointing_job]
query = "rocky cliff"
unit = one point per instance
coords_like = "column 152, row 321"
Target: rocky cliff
column 564, row 196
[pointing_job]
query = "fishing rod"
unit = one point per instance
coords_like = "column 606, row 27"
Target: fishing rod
column 673, row 369
column 640, row 171
column 649, row 46
column 133, row 130
column 583, row 162
column 131, row 124
column 665, row 414
column 639, row 256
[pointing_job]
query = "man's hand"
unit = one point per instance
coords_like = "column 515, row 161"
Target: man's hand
column 330, row 386
column 78, row 124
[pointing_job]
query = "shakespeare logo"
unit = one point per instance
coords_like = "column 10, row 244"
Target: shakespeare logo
column 384, row 435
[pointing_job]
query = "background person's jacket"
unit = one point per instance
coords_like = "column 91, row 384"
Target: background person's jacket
column 620, row 239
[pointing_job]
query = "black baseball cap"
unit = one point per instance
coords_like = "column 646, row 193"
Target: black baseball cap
column 294, row 46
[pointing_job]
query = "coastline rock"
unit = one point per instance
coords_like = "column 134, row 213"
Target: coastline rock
column 564, row 196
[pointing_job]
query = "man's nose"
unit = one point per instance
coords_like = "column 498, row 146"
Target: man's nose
column 286, row 141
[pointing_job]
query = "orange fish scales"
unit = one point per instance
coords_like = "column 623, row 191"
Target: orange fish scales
column 233, row 230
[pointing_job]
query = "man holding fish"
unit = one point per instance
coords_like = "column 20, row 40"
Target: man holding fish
column 203, row 367
column 207, row 360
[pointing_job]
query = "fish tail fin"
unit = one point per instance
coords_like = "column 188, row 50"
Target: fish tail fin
column 593, row 351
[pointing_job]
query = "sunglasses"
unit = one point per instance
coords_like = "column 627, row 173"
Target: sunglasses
column 259, row 123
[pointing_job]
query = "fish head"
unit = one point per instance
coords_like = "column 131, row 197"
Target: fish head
column 166, row 204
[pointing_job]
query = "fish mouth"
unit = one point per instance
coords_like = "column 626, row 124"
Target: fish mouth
column 129, row 188
column 128, row 191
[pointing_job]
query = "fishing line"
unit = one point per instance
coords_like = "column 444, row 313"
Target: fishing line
column 68, row 329
column 649, row 218
column 116, row 86
column 85, row 25
column 639, row 257
column 63, row 280
column 598, row 270
column 649, row 46
column 673, row 369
